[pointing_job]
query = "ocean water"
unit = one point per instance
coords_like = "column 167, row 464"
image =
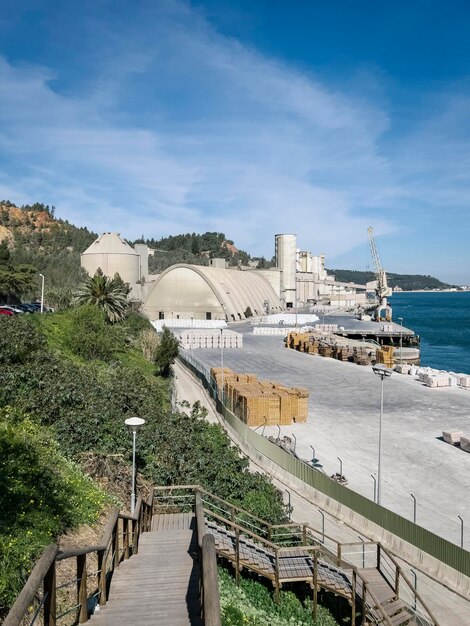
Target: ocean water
column 442, row 320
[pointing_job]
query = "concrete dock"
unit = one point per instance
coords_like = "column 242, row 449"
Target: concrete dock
column 344, row 422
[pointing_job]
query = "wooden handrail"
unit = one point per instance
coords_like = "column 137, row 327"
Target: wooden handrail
column 243, row 529
column 210, row 582
column 409, row 583
column 27, row 594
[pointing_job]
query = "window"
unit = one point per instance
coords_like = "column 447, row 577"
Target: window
column 161, row 315
column 208, row 315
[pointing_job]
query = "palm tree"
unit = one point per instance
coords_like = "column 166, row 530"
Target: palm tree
column 109, row 294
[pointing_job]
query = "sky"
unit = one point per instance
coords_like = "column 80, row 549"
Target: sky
column 249, row 118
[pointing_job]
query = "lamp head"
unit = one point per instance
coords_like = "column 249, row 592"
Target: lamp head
column 134, row 422
column 382, row 371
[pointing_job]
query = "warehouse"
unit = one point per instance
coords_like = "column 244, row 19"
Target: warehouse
column 211, row 293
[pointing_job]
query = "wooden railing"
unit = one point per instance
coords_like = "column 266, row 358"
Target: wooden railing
column 120, row 540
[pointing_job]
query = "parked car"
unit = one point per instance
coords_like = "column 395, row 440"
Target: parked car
column 11, row 307
column 5, row 312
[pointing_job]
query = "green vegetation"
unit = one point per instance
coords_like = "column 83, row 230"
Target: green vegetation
column 62, row 396
column 49, row 245
column 407, row 282
column 252, row 604
column 192, row 248
column 108, row 294
column 15, row 279
column 42, row 494
column 166, row 353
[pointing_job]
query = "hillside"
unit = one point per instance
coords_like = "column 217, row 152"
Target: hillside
column 407, row 282
column 192, row 248
column 35, row 237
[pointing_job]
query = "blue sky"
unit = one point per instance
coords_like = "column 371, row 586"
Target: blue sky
column 251, row 118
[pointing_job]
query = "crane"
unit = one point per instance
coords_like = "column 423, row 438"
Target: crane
column 381, row 287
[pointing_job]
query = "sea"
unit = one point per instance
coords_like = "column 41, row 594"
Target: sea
column 442, row 320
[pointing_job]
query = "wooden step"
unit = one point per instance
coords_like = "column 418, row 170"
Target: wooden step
column 401, row 618
column 393, row 607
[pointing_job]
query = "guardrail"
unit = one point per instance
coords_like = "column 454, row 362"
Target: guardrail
column 423, row 539
column 120, row 540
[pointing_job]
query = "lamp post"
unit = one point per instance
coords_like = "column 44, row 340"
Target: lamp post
column 222, row 361
column 42, row 292
column 401, row 339
column 313, row 455
column 382, row 372
column 414, row 508
column 134, row 423
column 375, row 486
column 340, row 468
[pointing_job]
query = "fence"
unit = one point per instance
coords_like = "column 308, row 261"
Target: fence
column 423, row 539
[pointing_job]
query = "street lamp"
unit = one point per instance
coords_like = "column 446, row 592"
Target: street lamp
column 401, row 340
column 134, row 423
column 222, row 361
column 383, row 373
column 42, row 292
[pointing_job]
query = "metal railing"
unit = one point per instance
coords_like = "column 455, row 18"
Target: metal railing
column 423, row 539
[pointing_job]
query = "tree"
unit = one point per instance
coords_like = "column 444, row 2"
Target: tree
column 15, row 280
column 104, row 292
column 166, row 353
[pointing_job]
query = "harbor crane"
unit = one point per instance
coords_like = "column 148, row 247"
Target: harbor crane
column 380, row 286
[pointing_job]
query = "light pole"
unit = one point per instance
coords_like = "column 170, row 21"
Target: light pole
column 401, row 339
column 375, row 486
column 134, row 423
column 314, row 460
column 42, row 292
column 461, row 530
column 383, row 373
column 340, row 468
column 222, row 361
column 414, row 508
column 192, row 335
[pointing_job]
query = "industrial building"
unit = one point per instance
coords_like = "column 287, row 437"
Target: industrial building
column 216, row 292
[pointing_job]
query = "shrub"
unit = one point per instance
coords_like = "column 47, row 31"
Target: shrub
column 42, row 494
column 90, row 336
column 19, row 338
column 166, row 353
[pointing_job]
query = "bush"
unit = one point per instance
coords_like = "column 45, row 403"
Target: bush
column 252, row 604
column 42, row 494
column 91, row 337
column 166, row 353
column 19, row 338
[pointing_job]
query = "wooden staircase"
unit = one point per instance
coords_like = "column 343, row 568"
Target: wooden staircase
column 160, row 585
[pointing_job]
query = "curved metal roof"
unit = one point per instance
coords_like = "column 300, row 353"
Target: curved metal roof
column 234, row 290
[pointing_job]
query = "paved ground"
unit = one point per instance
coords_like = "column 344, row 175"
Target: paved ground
column 343, row 422
column 449, row 609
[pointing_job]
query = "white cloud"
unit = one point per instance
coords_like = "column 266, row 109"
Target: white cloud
column 178, row 128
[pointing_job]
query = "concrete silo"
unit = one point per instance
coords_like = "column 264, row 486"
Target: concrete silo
column 286, row 262
column 113, row 255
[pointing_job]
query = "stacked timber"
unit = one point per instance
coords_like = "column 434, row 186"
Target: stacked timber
column 385, row 356
column 257, row 402
column 332, row 346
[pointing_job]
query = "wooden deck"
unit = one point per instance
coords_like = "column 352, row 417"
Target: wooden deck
column 160, row 585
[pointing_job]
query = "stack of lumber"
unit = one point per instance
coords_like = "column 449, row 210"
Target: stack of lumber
column 332, row 346
column 257, row 402
column 385, row 356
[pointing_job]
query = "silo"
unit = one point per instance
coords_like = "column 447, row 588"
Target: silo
column 113, row 255
column 286, row 262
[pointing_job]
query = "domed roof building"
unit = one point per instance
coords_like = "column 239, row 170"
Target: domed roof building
column 212, row 293
column 113, row 255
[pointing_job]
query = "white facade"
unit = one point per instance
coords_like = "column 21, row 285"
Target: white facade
column 200, row 292
column 114, row 256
